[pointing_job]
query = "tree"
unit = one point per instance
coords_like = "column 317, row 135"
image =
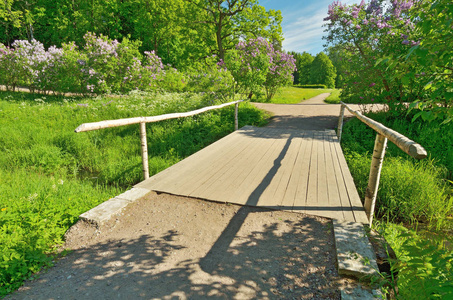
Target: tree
column 339, row 60
column 322, row 71
column 373, row 38
column 434, row 57
column 231, row 20
column 304, row 68
column 255, row 64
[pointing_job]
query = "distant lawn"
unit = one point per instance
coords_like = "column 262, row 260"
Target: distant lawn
column 293, row 95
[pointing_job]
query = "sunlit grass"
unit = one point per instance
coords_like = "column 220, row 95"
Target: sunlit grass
column 294, row 95
column 334, row 97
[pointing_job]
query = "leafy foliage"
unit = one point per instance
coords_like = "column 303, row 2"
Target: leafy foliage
column 395, row 53
column 322, row 71
column 425, row 262
column 179, row 31
column 256, row 63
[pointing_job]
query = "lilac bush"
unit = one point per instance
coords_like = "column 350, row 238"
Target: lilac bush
column 368, row 34
column 212, row 78
column 153, row 71
column 102, row 66
column 255, row 64
column 249, row 64
column 99, row 67
column 9, row 73
column 280, row 72
column 31, row 59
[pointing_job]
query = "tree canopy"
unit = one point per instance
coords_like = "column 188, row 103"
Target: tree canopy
column 178, row 31
column 322, row 71
column 396, row 52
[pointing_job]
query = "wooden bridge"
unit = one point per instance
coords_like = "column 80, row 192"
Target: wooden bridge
column 281, row 168
column 293, row 170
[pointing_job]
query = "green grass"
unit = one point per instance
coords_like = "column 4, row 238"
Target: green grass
column 50, row 174
column 294, row 95
column 334, row 97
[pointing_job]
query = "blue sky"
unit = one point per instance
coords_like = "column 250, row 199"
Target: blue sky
column 302, row 22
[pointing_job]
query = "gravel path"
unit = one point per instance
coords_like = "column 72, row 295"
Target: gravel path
column 169, row 247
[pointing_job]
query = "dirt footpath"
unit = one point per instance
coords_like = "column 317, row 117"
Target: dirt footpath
column 169, row 247
column 311, row 114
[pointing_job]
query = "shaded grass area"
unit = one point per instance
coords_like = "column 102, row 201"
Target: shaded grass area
column 50, row 174
column 294, row 95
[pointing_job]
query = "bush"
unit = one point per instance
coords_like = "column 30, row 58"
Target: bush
column 9, row 72
column 211, row 77
column 255, row 64
column 408, row 191
column 424, row 264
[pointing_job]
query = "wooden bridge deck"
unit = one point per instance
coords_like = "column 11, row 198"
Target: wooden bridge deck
column 299, row 171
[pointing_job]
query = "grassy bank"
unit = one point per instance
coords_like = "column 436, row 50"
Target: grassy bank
column 50, row 174
column 415, row 201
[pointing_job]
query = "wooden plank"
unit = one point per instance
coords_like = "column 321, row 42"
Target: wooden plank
column 323, row 197
column 207, row 168
column 182, row 168
column 323, row 207
column 341, row 188
column 332, row 184
column 255, row 183
column 312, row 186
column 189, row 174
column 215, row 185
column 276, row 190
column 298, row 185
column 353, row 195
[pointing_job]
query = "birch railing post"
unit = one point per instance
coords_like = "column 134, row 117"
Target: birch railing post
column 340, row 122
column 144, row 150
column 236, row 122
column 375, row 175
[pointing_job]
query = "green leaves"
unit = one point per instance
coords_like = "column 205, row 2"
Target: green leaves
column 322, row 71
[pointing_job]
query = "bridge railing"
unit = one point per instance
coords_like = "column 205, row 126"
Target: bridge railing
column 383, row 134
column 143, row 120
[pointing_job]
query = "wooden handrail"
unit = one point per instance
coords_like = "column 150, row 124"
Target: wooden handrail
column 383, row 133
column 410, row 147
column 143, row 120
column 137, row 120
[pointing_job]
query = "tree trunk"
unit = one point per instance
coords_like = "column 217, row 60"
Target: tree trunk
column 219, row 37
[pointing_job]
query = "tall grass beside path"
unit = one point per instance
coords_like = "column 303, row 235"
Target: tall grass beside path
column 50, row 175
column 410, row 190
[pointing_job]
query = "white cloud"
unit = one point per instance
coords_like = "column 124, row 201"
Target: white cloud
column 302, row 25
